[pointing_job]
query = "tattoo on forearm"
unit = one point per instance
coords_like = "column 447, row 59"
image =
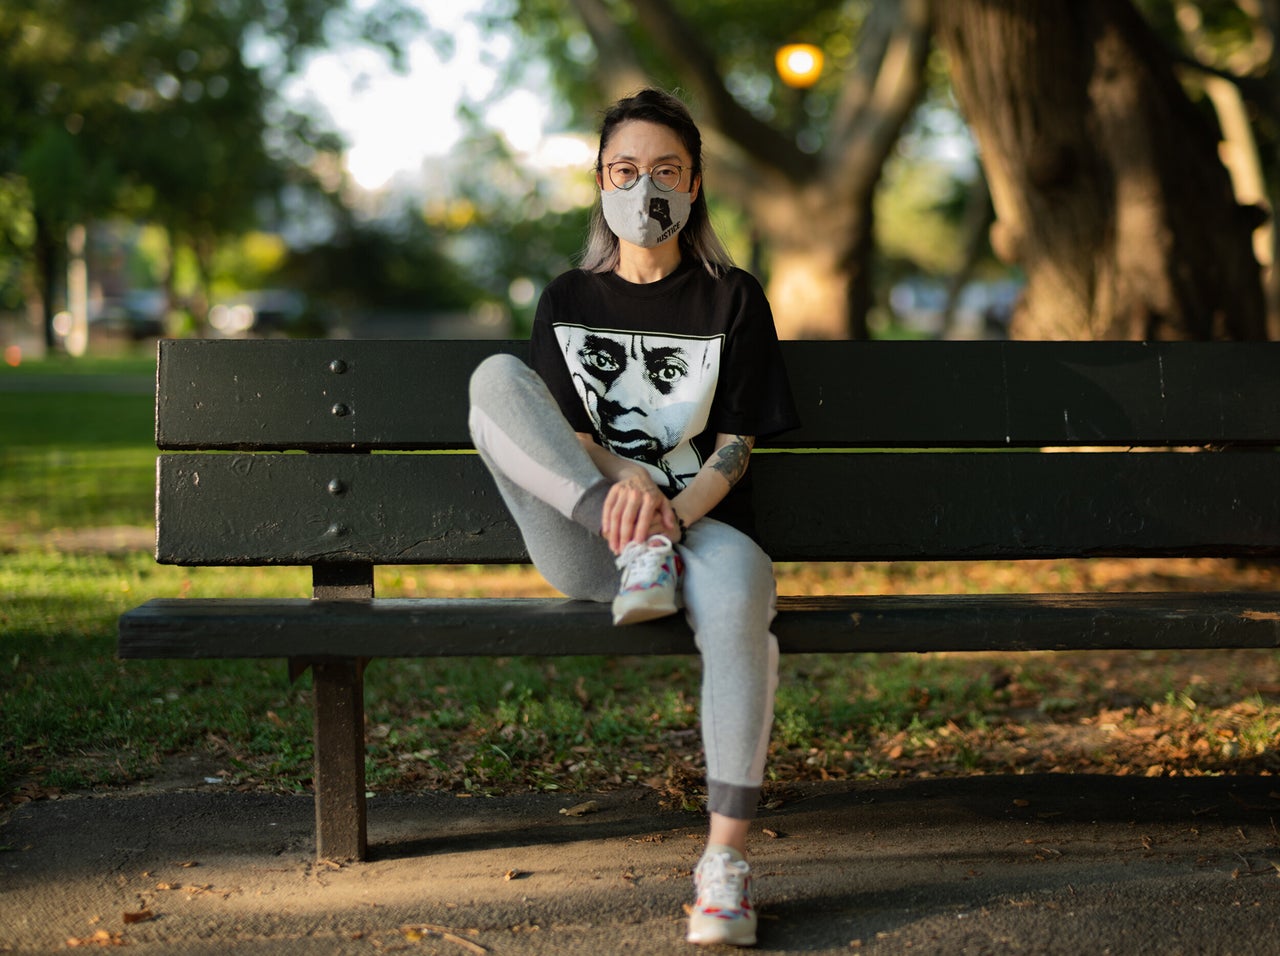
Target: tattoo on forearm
column 731, row 460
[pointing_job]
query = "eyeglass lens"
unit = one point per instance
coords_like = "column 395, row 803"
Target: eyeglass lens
column 666, row 176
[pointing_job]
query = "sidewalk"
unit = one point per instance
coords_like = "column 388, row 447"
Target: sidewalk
column 1044, row 864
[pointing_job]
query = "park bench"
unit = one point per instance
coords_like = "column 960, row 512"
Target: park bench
column 922, row 451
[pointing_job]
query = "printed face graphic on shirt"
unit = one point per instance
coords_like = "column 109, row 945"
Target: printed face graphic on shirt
column 648, row 396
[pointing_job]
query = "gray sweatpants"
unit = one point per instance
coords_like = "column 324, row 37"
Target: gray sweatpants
column 555, row 493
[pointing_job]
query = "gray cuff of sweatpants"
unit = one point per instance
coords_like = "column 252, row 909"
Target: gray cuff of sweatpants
column 589, row 511
column 733, row 801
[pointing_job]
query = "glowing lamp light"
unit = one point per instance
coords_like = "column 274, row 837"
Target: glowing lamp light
column 799, row 64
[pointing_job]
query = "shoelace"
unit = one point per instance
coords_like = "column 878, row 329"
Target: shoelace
column 643, row 560
column 722, row 881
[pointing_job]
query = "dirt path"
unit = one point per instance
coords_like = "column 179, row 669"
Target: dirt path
column 1042, row 864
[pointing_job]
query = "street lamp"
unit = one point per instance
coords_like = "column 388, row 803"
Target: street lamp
column 799, row 64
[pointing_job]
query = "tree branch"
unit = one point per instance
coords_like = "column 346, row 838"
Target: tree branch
column 1256, row 90
column 681, row 44
column 620, row 69
column 889, row 79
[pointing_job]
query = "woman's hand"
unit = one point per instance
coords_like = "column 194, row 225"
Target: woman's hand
column 634, row 509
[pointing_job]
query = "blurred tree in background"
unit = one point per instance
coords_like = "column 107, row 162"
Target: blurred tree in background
column 1106, row 177
column 1119, row 156
column 165, row 112
column 1093, row 123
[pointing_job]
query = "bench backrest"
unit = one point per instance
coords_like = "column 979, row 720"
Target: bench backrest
column 909, row 450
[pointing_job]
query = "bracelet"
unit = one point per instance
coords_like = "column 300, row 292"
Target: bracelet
column 684, row 529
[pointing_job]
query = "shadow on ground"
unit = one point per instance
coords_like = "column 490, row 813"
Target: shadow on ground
column 1002, row 864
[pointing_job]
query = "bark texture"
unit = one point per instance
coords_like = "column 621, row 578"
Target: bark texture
column 1105, row 178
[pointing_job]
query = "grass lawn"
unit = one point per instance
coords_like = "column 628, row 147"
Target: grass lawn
column 75, row 462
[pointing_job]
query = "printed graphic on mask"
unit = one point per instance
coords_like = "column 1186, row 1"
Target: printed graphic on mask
column 648, row 396
column 644, row 215
column 660, row 212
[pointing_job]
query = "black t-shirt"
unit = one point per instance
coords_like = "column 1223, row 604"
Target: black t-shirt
column 655, row 371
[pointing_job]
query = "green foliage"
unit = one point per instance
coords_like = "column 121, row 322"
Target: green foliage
column 17, row 237
column 918, row 218
column 166, row 111
column 250, row 261
column 516, row 224
column 396, row 264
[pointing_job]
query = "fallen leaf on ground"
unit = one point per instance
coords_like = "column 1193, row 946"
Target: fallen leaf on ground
column 139, row 917
column 101, row 938
column 419, row 931
column 581, row 809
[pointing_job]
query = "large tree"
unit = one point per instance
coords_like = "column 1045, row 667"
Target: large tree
column 1105, row 177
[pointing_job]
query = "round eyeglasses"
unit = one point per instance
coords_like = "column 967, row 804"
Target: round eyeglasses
column 624, row 175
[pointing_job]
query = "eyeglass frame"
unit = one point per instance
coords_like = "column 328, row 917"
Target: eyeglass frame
column 608, row 173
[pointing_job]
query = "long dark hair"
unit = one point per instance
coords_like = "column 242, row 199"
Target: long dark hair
column 698, row 238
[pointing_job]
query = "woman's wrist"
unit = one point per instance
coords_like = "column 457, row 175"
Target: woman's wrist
column 684, row 529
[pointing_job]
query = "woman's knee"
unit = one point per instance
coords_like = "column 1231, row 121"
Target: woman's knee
column 730, row 591
column 494, row 376
column 733, row 565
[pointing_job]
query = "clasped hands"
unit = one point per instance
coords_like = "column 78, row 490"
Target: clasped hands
column 635, row 509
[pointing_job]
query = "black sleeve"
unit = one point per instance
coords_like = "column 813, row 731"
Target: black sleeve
column 546, row 358
column 754, row 395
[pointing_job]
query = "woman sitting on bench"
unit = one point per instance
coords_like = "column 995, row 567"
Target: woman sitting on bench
column 622, row 453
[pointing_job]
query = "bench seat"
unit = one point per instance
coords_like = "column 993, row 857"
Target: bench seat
column 509, row 627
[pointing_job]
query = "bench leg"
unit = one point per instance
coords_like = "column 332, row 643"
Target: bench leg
column 341, row 822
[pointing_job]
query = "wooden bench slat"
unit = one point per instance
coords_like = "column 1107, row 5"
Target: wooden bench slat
column 430, row 509
column 334, row 394
column 424, row 627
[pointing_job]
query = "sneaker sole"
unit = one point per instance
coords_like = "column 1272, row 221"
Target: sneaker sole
column 719, row 939
column 641, row 613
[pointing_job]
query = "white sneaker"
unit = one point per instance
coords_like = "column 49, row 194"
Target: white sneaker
column 650, row 580
column 723, row 912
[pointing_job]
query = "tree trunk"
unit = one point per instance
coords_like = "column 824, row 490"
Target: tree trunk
column 49, row 256
column 1269, row 16
column 817, row 265
column 1105, row 178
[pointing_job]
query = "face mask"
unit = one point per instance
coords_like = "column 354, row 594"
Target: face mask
column 644, row 215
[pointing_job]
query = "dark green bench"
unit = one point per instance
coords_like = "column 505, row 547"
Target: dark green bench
column 909, row 451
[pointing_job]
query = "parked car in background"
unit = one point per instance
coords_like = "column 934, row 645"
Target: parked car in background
column 264, row 312
column 982, row 310
column 138, row 314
